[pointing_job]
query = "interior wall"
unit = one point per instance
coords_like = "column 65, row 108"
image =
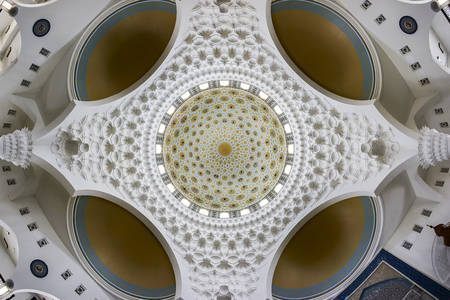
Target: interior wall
column 438, row 177
column 397, row 199
column 38, row 240
column 12, row 118
column 396, row 97
column 10, row 244
column 53, row 200
column 7, row 265
column 12, row 181
column 54, row 97
column 440, row 41
column 438, row 115
column 10, row 41
column 8, row 252
column 413, row 240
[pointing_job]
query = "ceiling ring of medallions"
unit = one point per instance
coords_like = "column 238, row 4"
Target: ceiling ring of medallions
column 224, row 148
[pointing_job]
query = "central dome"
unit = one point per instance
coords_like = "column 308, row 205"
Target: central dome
column 224, row 148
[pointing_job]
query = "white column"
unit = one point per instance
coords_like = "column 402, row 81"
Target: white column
column 16, row 147
column 433, row 147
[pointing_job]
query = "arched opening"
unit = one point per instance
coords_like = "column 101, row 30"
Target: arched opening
column 326, row 250
column 437, row 177
column 326, row 46
column 34, row 2
column 13, row 118
column 9, row 251
column 439, row 42
column 121, row 250
column 122, row 47
column 10, row 41
column 33, row 295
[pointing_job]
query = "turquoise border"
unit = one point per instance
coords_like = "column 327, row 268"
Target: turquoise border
column 98, row 33
column 98, row 266
column 347, row 270
column 349, row 31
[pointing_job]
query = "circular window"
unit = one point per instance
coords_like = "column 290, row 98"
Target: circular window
column 41, row 27
column 224, row 149
column 408, row 24
column 39, row 268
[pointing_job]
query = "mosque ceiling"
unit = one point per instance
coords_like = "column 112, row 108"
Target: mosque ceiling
column 297, row 148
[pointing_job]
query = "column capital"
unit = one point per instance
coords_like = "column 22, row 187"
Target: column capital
column 433, row 147
column 16, row 147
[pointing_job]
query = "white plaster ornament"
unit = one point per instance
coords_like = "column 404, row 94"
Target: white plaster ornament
column 16, row 147
column 224, row 248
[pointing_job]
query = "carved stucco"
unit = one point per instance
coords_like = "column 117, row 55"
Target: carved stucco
column 223, row 42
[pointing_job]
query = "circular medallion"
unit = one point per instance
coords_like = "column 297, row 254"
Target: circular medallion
column 41, row 27
column 224, row 150
column 39, row 268
column 408, row 24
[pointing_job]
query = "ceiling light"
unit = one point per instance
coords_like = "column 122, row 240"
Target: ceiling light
column 203, row 86
column 5, row 288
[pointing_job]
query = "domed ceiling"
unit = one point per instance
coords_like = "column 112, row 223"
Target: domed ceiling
column 141, row 29
column 225, row 149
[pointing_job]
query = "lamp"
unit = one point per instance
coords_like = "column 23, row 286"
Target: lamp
column 6, row 288
column 10, row 8
column 437, row 5
column 442, row 3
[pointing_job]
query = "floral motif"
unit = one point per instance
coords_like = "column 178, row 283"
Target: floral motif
column 224, row 43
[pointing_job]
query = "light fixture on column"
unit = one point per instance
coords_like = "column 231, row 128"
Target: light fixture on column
column 6, row 288
column 442, row 3
column 10, row 8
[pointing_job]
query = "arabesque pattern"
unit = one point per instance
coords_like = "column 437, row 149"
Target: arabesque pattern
column 225, row 149
column 223, row 43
